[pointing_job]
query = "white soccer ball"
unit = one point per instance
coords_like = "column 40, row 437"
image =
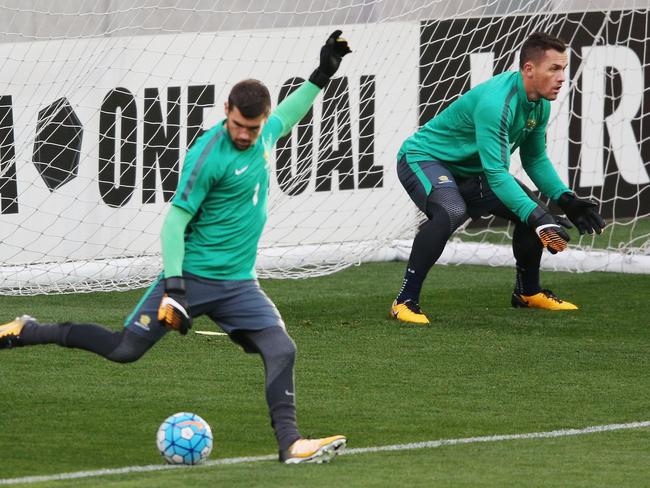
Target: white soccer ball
column 184, row 438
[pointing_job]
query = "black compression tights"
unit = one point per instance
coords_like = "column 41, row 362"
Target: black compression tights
column 121, row 347
column 278, row 352
column 275, row 346
column 446, row 211
column 527, row 249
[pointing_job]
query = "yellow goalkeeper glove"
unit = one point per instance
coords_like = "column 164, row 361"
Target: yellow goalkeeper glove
column 173, row 311
column 549, row 230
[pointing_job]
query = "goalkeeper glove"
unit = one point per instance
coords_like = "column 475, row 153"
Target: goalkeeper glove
column 549, row 230
column 331, row 55
column 173, row 309
column 582, row 212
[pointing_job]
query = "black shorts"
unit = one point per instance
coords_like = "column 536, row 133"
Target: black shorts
column 237, row 305
column 420, row 179
column 424, row 177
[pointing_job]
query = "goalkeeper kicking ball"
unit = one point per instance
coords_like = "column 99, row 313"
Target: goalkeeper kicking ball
column 184, row 438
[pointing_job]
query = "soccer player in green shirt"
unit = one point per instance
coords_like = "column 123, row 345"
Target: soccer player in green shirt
column 209, row 244
column 457, row 165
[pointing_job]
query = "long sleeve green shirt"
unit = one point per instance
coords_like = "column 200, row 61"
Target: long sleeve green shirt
column 477, row 134
column 219, row 210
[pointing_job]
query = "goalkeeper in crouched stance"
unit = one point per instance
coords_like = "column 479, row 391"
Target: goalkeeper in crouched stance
column 457, row 165
column 209, row 244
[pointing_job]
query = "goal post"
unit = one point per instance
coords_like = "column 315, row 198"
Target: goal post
column 99, row 102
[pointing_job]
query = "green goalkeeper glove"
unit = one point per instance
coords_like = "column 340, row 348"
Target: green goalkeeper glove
column 582, row 212
column 173, row 309
column 331, row 55
column 549, row 230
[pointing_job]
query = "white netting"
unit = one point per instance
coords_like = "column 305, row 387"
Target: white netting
column 100, row 99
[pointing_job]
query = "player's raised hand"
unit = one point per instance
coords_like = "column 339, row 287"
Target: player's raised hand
column 549, row 230
column 582, row 212
column 331, row 55
column 173, row 309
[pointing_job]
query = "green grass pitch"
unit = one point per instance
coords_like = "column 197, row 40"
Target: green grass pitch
column 480, row 369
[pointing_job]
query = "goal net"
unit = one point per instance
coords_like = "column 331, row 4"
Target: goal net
column 99, row 102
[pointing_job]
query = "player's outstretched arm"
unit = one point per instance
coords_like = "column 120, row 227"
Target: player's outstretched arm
column 582, row 212
column 295, row 106
column 549, row 230
column 173, row 310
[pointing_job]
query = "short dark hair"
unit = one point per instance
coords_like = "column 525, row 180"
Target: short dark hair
column 537, row 44
column 251, row 97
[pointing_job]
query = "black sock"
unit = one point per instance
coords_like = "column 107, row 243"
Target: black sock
column 411, row 286
column 527, row 249
column 427, row 247
column 527, row 281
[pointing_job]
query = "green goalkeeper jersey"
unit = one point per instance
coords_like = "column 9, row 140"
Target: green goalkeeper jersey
column 226, row 189
column 478, row 132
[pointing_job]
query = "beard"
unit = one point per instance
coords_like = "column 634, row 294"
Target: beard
column 242, row 145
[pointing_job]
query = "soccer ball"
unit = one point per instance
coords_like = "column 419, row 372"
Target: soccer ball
column 184, row 438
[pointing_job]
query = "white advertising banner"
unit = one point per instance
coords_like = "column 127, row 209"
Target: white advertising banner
column 89, row 125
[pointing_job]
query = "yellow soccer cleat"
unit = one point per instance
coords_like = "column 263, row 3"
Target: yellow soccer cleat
column 544, row 299
column 409, row 312
column 313, row 450
column 10, row 332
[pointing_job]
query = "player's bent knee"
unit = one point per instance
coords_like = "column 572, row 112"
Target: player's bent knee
column 456, row 218
column 274, row 344
column 130, row 348
column 451, row 203
column 447, row 217
column 287, row 349
column 283, row 348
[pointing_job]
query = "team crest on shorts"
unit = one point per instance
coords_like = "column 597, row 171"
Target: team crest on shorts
column 143, row 322
column 443, row 179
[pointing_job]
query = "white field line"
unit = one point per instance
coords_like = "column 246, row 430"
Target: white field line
column 359, row 450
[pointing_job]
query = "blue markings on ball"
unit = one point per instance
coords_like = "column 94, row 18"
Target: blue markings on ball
column 184, row 438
